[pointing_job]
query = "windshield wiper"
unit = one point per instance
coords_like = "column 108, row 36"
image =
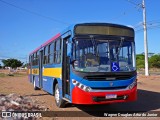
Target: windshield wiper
column 94, row 43
column 120, row 45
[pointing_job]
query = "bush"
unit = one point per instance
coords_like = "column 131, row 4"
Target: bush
column 140, row 61
column 154, row 61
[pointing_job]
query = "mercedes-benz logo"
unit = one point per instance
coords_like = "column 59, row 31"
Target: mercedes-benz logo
column 111, row 84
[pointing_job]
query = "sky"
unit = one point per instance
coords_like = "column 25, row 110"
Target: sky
column 26, row 24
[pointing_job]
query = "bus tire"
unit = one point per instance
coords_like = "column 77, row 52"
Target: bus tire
column 34, row 85
column 59, row 101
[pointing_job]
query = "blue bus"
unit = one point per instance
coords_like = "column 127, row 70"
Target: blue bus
column 87, row 63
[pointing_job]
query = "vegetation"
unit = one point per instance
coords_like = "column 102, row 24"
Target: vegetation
column 7, row 74
column 13, row 63
column 2, row 75
column 154, row 61
column 140, row 61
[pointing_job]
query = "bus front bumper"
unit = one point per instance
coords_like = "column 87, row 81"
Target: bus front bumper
column 81, row 97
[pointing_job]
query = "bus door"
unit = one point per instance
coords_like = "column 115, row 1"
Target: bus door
column 40, row 68
column 66, row 68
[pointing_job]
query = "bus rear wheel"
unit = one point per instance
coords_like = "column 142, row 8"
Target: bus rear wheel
column 59, row 101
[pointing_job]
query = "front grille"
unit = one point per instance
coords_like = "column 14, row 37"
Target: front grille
column 108, row 77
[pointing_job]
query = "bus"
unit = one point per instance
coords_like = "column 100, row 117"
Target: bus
column 87, row 63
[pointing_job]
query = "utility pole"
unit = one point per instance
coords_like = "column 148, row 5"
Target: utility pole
column 145, row 38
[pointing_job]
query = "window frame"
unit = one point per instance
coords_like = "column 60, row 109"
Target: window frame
column 45, row 55
column 58, row 52
column 51, row 53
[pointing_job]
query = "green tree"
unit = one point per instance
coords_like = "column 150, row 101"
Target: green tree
column 154, row 61
column 13, row 63
column 140, row 61
column 0, row 66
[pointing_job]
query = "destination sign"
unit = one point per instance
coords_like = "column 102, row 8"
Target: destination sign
column 104, row 30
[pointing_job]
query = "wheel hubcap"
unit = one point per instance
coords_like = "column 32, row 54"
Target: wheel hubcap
column 57, row 95
column 34, row 84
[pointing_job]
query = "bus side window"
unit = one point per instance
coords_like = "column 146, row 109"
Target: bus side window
column 45, row 55
column 57, row 51
column 30, row 60
column 36, row 58
column 50, row 53
column 33, row 59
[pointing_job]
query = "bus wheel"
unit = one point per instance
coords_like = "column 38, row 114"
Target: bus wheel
column 59, row 102
column 34, row 85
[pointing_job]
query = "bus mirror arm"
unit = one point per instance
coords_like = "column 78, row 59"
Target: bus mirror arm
column 74, row 63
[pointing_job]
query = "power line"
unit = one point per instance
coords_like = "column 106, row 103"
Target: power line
column 125, row 13
column 149, row 24
column 157, row 21
column 138, row 5
column 34, row 13
column 122, row 14
column 151, row 27
column 132, row 2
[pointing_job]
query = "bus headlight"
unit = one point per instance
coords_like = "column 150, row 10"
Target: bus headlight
column 132, row 85
column 81, row 86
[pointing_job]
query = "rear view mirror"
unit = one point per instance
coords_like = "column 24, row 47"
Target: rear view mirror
column 74, row 63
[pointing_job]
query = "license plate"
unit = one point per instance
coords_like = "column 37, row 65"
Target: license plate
column 110, row 96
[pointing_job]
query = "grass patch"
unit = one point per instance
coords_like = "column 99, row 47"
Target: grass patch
column 19, row 74
column 12, row 75
column 2, row 75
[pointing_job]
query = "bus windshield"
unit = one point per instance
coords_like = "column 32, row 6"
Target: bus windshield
column 98, row 55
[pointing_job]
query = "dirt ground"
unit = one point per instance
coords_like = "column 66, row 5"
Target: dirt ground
column 148, row 95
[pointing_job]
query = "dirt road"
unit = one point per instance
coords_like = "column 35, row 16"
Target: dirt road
column 148, row 96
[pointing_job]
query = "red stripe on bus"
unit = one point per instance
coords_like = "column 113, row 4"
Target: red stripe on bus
column 35, row 50
column 50, row 40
